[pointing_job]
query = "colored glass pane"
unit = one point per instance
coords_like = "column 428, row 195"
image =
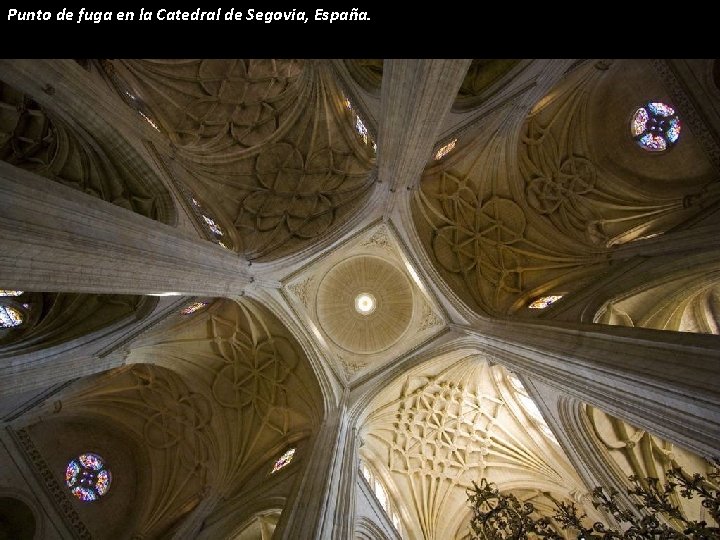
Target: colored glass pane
column 192, row 308
column 655, row 127
column 360, row 126
column 639, row 122
column 4, row 292
column 674, row 131
column 87, row 477
column 654, row 143
column 284, row 460
column 10, row 317
column 544, row 301
column 214, row 227
column 445, row 150
column 661, row 109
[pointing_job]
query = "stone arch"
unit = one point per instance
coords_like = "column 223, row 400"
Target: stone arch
column 669, row 298
column 485, row 78
column 632, row 451
column 49, row 445
column 259, row 527
column 20, row 518
column 365, row 529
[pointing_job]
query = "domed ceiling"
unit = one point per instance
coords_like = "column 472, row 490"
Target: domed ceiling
column 365, row 303
column 354, row 326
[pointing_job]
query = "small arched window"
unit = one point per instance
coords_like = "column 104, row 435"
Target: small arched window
column 10, row 317
column 283, row 461
column 544, row 301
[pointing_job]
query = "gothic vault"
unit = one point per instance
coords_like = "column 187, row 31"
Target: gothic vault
column 300, row 299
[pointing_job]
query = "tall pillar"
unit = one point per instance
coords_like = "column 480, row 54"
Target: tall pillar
column 55, row 238
column 697, row 239
column 416, row 96
column 314, row 510
column 665, row 382
column 569, row 423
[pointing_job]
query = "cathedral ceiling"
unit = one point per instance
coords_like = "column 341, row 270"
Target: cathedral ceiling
column 45, row 142
column 532, row 201
column 634, row 451
column 209, row 402
column 326, row 292
column 268, row 144
column 483, row 78
column 686, row 303
column 97, row 162
column 54, row 318
column 533, row 205
column 435, row 429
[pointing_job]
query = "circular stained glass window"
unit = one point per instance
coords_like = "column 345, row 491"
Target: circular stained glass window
column 655, row 127
column 87, row 477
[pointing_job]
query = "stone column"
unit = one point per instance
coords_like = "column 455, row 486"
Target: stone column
column 665, row 382
column 697, row 239
column 416, row 96
column 314, row 510
column 191, row 525
column 569, row 423
column 55, row 238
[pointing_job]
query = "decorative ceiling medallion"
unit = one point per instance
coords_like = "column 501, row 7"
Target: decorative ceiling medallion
column 364, row 304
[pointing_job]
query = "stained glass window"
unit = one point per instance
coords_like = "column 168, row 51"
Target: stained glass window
column 192, row 308
column 10, row 317
column 283, row 461
column 149, row 120
column 544, row 301
column 445, row 150
column 4, row 292
column 366, row 473
column 214, row 227
column 360, row 126
column 87, row 477
column 381, row 495
column 655, row 127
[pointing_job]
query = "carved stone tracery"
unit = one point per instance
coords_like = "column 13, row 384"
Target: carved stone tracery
column 271, row 139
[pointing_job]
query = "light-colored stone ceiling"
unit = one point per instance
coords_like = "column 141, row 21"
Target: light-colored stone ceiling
column 689, row 303
column 52, row 146
column 207, row 401
column 634, row 451
column 435, row 429
column 372, row 261
column 338, row 293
